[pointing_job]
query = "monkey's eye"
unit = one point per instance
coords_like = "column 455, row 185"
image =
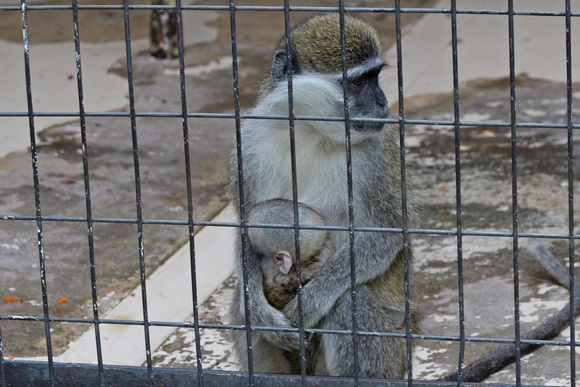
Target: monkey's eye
column 356, row 82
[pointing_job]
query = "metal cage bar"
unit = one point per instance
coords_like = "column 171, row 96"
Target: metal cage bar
column 571, row 227
column 34, row 155
column 90, row 234
column 292, row 134
column 243, row 225
column 188, row 178
column 514, row 155
column 405, row 230
column 301, row 9
column 137, row 192
column 422, row 231
column 351, row 233
column 309, row 330
column 459, row 220
column 464, row 124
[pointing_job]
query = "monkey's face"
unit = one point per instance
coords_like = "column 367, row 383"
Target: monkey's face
column 322, row 95
column 366, row 99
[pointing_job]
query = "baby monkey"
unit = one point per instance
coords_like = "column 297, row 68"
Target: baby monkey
column 278, row 249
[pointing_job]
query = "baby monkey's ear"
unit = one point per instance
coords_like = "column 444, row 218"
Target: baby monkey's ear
column 284, row 261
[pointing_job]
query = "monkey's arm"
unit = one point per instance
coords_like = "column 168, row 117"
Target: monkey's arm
column 373, row 253
column 377, row 203
column 261, row 312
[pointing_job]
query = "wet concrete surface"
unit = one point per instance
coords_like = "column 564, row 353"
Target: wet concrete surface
column 486, row 196
column 112, row 185
column 486, row 188
column 163, row 196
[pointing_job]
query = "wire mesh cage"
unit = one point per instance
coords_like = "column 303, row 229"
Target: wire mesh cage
column 105, row 196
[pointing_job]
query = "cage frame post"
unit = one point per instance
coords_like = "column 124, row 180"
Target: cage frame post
column 88, row 204
column 36, row 182
column 570, row 156
column 138, row 203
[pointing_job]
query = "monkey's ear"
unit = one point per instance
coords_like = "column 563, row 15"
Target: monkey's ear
column 280, row 66
column 284, row 261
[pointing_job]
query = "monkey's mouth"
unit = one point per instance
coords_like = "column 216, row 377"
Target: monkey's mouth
column 367, row 127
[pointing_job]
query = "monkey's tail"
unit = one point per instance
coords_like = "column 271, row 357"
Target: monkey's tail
column 506, row 354
column 496, row 360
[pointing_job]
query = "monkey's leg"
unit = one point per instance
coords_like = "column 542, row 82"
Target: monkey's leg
column 267, row 357
column 172, row 35
column 156, row 32
column 378, row 357
column 261, row 312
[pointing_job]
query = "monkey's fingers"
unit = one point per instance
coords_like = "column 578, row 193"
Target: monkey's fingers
column 289, row 341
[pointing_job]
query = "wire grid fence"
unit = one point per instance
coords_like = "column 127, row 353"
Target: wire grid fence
column 57, row 374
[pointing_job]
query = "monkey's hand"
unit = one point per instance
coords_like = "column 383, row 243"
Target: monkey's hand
column 313, row 309
column 373, row 254
column 272, row 317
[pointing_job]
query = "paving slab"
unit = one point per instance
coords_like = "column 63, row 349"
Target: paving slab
column 483, row 47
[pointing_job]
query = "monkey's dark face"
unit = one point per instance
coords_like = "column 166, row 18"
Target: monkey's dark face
column 367, row 100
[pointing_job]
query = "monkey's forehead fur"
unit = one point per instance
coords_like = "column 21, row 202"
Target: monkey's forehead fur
column 317, row 47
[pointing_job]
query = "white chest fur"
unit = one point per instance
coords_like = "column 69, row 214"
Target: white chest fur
column 320, row 168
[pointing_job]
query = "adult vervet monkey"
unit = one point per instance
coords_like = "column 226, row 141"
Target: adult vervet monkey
column 321, row 170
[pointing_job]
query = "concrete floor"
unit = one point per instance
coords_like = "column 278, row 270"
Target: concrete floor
column 486, row 184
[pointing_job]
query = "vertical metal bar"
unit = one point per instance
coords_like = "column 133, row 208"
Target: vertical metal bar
column 87, row 193
column 189, row 192
column 34, row 155
column 458, row 193
column 514, row 192
column 137, row 191
column 243, row 223
column 294, row 189
column 404, row 193
column 570, row 192
column 2, row 367
column 355, row 337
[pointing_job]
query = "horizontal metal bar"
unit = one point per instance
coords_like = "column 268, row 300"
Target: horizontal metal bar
column 74, row 374
column 295, row 9
column 421, row 231
column 169, row 324
column 487, row 124
column 299, row 118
